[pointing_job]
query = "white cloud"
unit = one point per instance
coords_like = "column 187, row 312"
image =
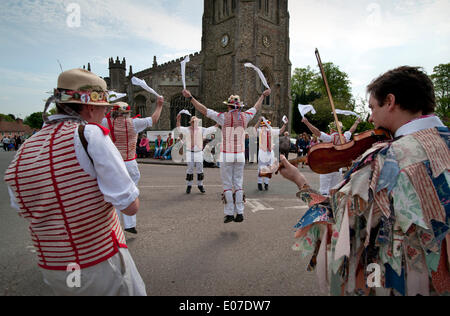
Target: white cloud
column 101, row 20
column 367, row 38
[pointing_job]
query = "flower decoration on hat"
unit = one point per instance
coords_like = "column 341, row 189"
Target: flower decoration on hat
column 121, row 107
column 235, row 101
column 333, row 126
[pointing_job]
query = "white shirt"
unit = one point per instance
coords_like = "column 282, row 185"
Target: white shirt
column 329, row 138
column 419, row 124
column 109, row 169
column 186, row 131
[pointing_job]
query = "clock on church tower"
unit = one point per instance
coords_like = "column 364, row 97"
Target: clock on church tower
column 239, row 31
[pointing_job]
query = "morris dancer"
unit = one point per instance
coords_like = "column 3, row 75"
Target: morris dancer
column 124, row 132
column 266, row 156
column 66, row 180
column 232, row 160
column 391, row 215
column 194, row 136
column 329, row 181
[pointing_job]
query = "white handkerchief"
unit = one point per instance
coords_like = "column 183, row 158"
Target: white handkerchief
column 185, row 112
column 114, row 96
column 183, row 70
column 143, row 85
column 285, row 119
column 347, row 113
column 305, row 109
column 260, row 74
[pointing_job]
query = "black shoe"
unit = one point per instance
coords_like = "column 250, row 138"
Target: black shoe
column 228, row 219
column 266, row 187
column 131, row 230
column 260, row 187
column 239, row 218
column 188, row 190
column 201, row 188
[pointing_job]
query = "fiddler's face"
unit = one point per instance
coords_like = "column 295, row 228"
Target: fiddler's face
column 380, row 116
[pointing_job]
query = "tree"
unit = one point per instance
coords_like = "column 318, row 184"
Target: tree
column 6, row 118
column 441, row 81
column 34, row 120
column 337, row 81
column 308, row 87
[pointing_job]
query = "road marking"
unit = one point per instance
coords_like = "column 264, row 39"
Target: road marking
column 174, row 186
column 298, row 207
column 257, row 206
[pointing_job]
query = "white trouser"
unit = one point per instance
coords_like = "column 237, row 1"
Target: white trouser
column 135, row 175
column 194, row 162
column 265, row 159
column 232, row 174
column 329, row 181
column 117, row 276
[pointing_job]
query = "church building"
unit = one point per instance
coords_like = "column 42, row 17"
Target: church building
column 234, row 32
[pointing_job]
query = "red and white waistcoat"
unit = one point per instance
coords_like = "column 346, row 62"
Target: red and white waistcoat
column 265, row 139
column 233, row 133
column 70, row 222
column 124, row 136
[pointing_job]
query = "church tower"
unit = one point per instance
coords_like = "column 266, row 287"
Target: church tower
column 239, row 31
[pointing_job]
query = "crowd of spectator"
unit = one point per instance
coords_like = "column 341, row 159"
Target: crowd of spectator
column 162, row 149
column 11, row 143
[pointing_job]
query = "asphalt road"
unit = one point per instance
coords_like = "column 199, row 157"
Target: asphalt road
column 183, row 248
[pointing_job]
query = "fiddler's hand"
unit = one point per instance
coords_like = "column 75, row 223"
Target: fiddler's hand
column 291, row 173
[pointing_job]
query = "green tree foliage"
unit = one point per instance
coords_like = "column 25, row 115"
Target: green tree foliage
column 34, row 120
column 441, row 81
column 338, row 82
column 7, row 118
column 308, row 88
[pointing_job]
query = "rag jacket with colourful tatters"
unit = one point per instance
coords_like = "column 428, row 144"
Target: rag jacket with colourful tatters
column 390, row 216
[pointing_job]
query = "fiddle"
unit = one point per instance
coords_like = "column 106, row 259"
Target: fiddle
column 328, row 158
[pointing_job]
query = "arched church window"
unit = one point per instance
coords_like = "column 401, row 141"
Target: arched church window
column 177, row 104
column 140, row 103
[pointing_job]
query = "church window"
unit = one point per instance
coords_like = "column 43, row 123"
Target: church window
column 177, row 104
column 226, row 10
column 140, row 105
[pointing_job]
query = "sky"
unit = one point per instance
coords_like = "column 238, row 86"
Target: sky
column 365, row 38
